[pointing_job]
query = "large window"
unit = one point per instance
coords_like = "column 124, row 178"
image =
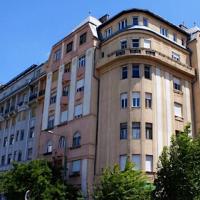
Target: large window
column 124, row 72
column 148, row 100
column 76, row 166
column 177, row 84
column 178, row 110
column 135, row 71
column 145, row 21
column 135, row 99
column 81, row 62
column 76, row 140
column 83, row 38
column 80, row 85
column 175, row 37
column 123, row 131
column 122, row 24
column 164, row 31
column 78, row 111
column 135, row 21
column 123, row 44
column 147, row 71
column 69, row 47
column 136, row 159
column 149, row 131
column 122, row 162
column 135, row 43
column 124, row 100
column 136, row 130
column 149, row 163
column 57, row 55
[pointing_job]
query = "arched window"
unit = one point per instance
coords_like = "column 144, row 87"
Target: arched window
column 76, row 139
column 61, row 143
column 49, row 146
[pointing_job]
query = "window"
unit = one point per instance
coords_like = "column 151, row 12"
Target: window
column 53, row 98
column 178, row 110
column 81, row 62
column 164, row 31
column 67, row 67
column 147, row 43
column 21, row 135
column 29, row 153
column 174, row 37
column 122, row 162
column 31, row 132
column 145, row 21
column 66, row 90
column 76, row 166
column 55, row 76
column 177, row 84
column 123, row 131
column 76, row 140
column 9, row 159
column 135, row 99
column 135, row 21
column 148, row 100
column 14, row 155
column 17, row 136
column 135, row 43
column 108, row 32
column 19, row 158
column 136, row 130
column 122, row 24
column 23, row 115
column 83, row 38
column 149, row 131
column 124, row 72
column 11, row 142
column 3, row 159
column 69, row 47
column 57, row 55
column 33, row 112
column 135, row 71
column 62, row 142
column 51, row 121
column 5, row 141
column 49, row 147
column 175, row 56
column 183, row 42
column 147, row 72
column 64, row 116
column 149, row 163
column 124, row 100
column 78, row 111
column 123, row 44
column 80, row 85
column 136, row 159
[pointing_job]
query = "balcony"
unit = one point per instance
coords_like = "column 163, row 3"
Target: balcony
column 147, row 54
column 66, row 77
column 32, row 97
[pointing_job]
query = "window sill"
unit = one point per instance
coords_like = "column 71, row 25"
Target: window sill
column 180, row 119
column 135, row 107
column 178, row 92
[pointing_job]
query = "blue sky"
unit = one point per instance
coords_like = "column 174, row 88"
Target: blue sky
column 28, row 28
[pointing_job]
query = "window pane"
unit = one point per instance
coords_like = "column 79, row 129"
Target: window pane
column 136, row 130
column 149, row 163
column 135, row 71
column 136, row 159
column 123, row 162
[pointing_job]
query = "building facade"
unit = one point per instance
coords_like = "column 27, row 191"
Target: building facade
column 112, row 89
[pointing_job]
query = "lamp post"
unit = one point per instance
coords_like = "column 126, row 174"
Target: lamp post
column 65, row 153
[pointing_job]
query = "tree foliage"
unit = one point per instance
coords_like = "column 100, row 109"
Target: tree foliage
column 42, row 179
column 178, row 176
column 123, row 185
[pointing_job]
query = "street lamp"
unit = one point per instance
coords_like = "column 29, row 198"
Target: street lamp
column 65, row 152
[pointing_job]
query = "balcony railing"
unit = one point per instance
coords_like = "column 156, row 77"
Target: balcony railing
column 151, row 53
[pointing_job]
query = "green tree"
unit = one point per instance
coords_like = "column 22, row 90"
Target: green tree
column 42, row 179
column 129, row 184
column 178, row 176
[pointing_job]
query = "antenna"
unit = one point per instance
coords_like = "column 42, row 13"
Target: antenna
column 89, row 12
column 195, row 23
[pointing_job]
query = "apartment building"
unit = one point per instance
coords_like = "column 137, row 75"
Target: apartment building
column 20, row 120
column 145, row 88
column 70, row 104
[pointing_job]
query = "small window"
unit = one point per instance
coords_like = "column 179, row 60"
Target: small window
column 123, row 44
column 147, row 44
column 136, row 130
column 124, row 100
column 9, row 159
column 135, row 99
column 83, row 38
column 3, row 159
column 177, row 84
column 183, row 42
column 174, row 37
column 19, row 158
column 51, row 122
column 147, row 71
column 135, row 43
column 175, row 56
column 49, row 147
column 81, row 62
column 122, row 162
column 11, row 142
column 76, row 166
column 124, row 72
column 80, row 85
column 145, row 22
column 148, row 100
column 22, row 135
column 135, row 21
column 122, row 24
column 123, row 131
column 149, row 163
column 5, row 141
column 32, row 132
column 136, row 159
column 178, row 110
column 149, row 131
column 78, row 111
column 135, row 71
column 57, row 55
column 29, row 153
column 76, row 140
column 17, row 136
column 66, row 90
column 14, row 155
column 164, row 31
column 108, row 32
column 53, row 98
column 69, row 47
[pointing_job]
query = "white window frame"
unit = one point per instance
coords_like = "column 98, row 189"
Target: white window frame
column 149, row 163
column 147, row 43
column 81, row 61
column 136, row 102
column 178, row 110
column 136, row 130
column 108, row 32
column 123, row 44
column 164, row 31
column 122, row 24
column 124, row 100
column 76, row 166
column 177, row 83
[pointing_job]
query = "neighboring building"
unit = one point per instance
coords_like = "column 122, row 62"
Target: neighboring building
column 19, row 117
column 70, row 105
